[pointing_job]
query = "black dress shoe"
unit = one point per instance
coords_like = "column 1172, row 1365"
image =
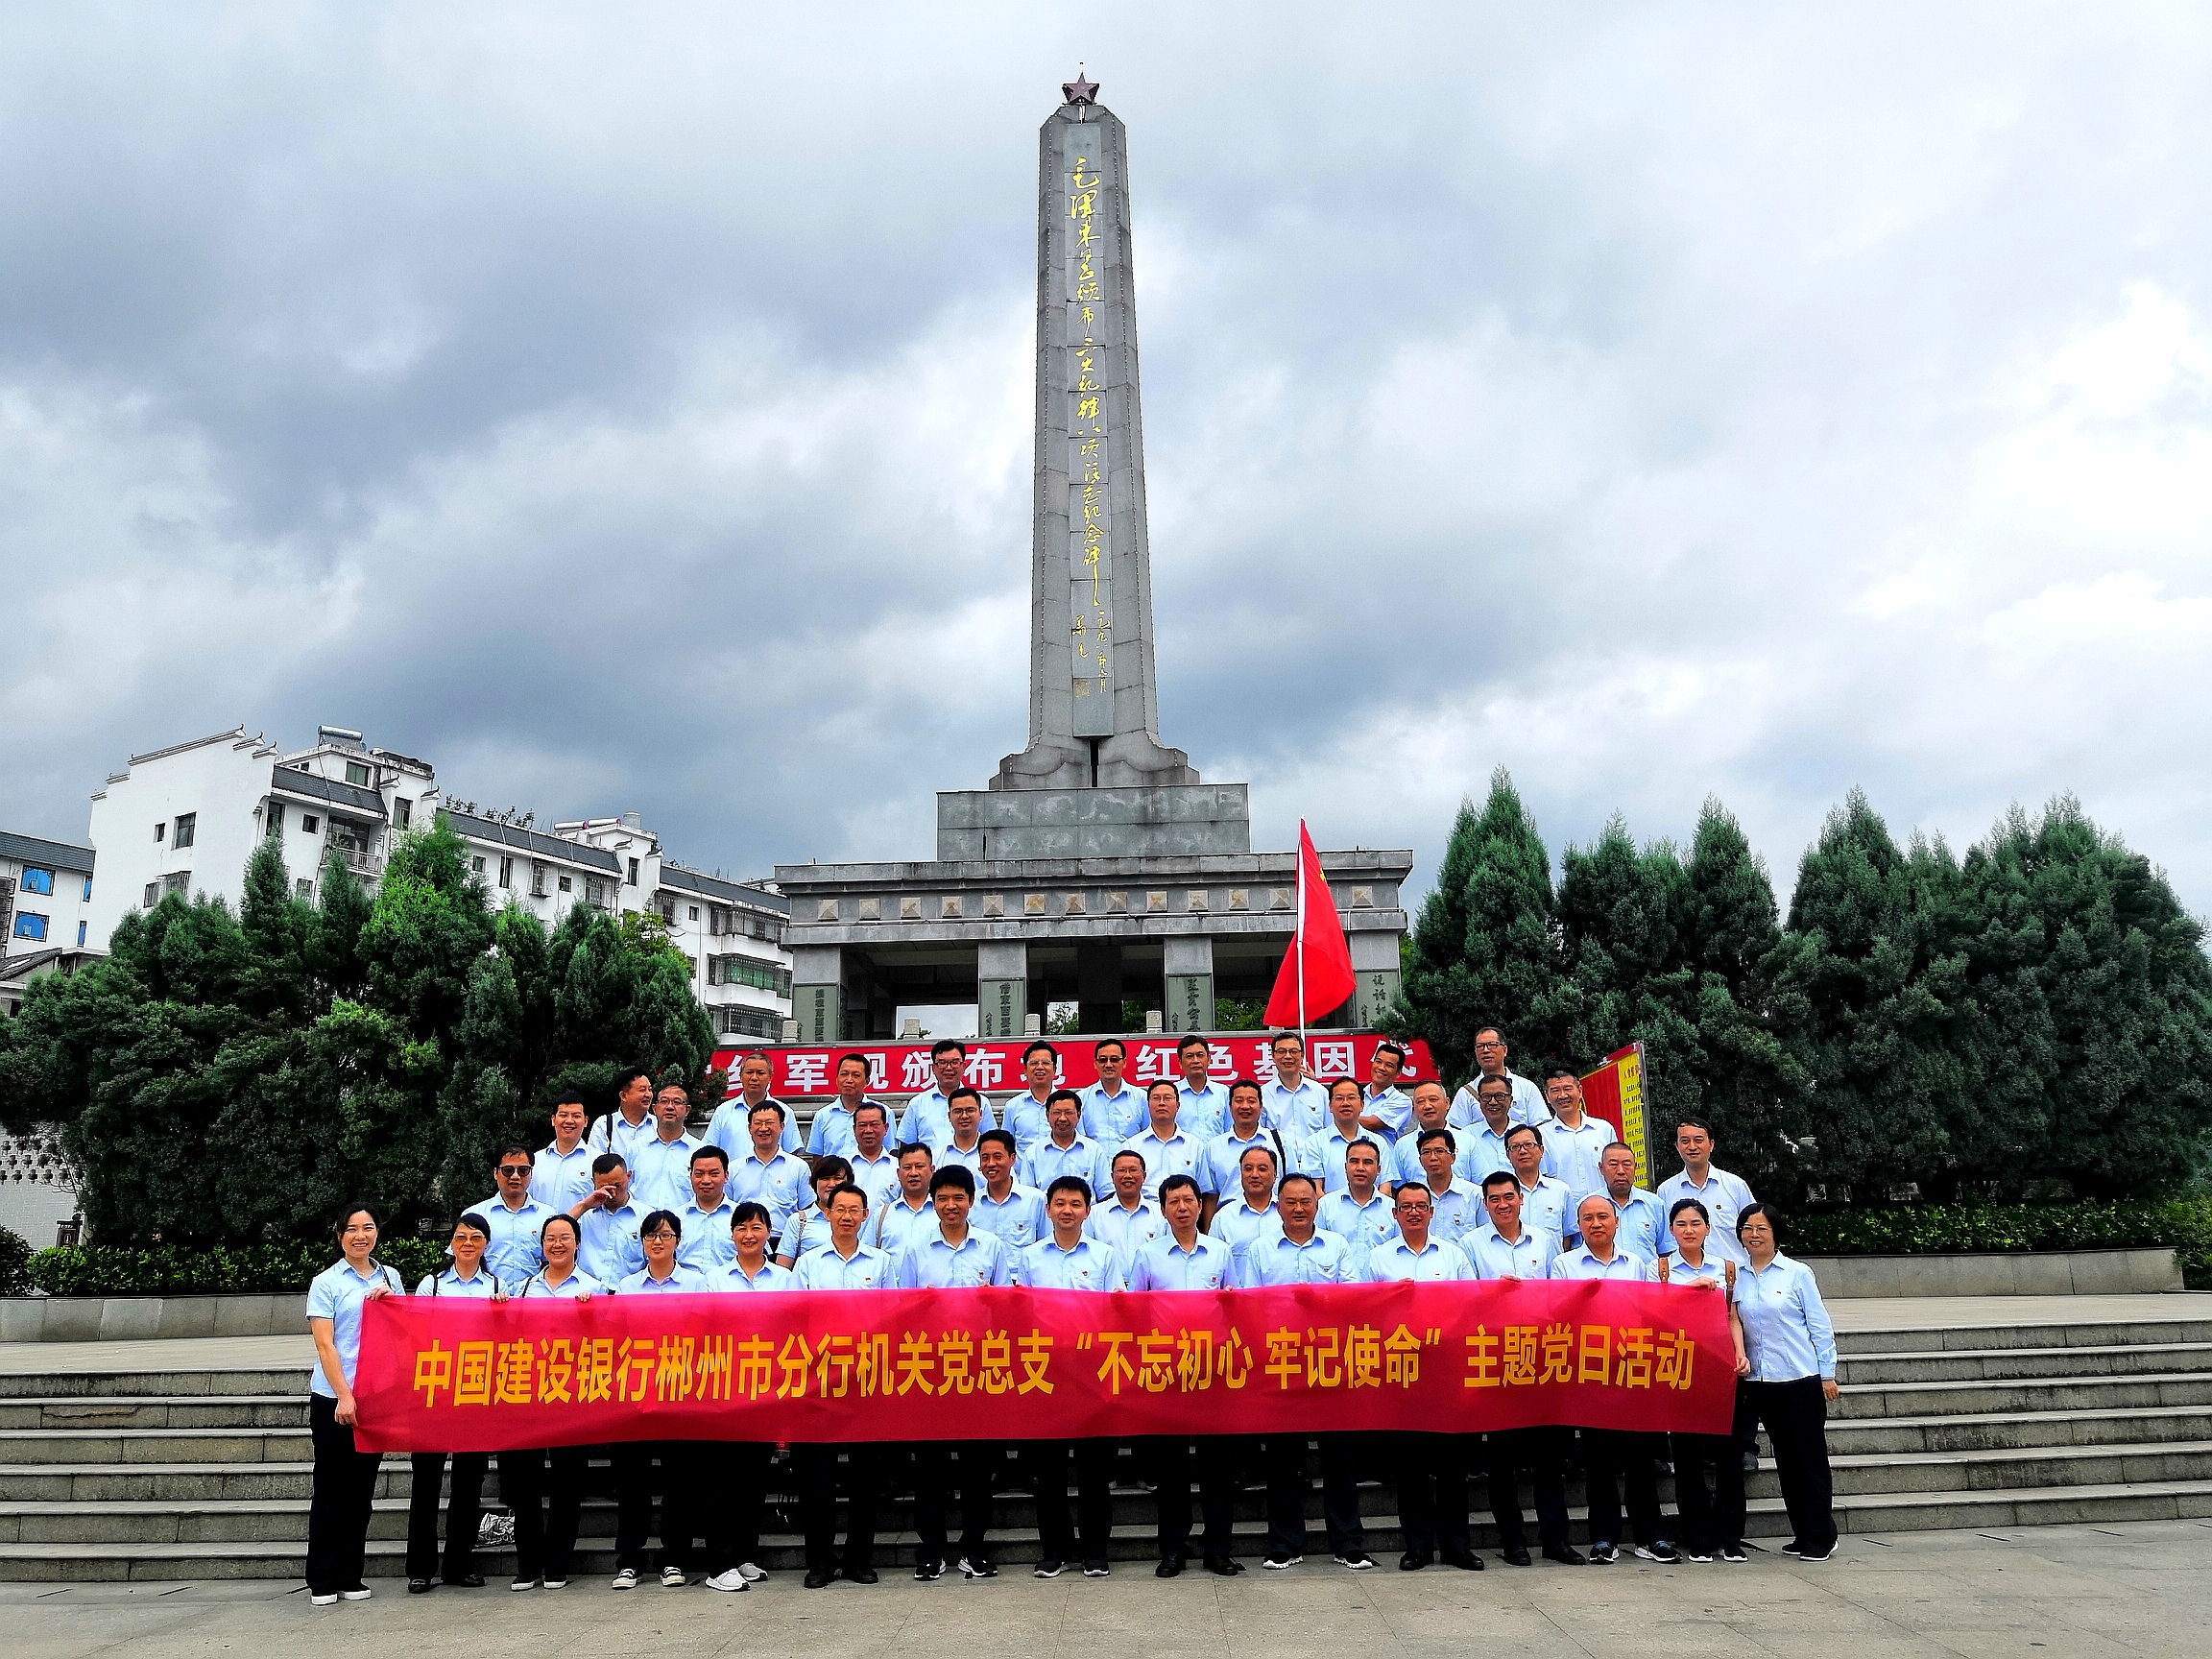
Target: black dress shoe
column 1224, row 1566
column 1171, row 1567
column 1566, row 1555
column 1466, row 1560
column 418, row 1586
column 466, row 1581
column 1412, row 1561
column 818, row 1580
column 859, row 1575
column 1516, row 1555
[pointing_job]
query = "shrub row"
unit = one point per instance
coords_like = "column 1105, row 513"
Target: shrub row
column 168, row 1271
column 1932, row 1229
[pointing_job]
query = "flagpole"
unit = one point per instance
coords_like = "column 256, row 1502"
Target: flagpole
column 1299, row 942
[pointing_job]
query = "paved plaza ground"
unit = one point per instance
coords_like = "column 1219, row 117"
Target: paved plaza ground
column 2143, row 1588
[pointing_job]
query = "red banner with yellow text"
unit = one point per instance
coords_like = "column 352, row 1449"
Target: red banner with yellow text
column 1017, row 1364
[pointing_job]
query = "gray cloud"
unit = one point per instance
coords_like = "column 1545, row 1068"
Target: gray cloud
column 636, row 414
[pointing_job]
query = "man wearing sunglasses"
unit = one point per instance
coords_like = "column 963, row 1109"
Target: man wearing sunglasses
column 517, row 1219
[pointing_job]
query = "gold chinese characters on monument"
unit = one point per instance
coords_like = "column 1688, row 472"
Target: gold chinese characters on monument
column 1089, row 350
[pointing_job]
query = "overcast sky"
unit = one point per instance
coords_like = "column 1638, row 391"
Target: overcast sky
column 629, row 408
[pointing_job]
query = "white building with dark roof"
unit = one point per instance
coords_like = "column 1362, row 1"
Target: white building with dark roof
column 45, row 896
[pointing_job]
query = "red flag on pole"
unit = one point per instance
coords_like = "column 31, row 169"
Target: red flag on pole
column 1317, row 973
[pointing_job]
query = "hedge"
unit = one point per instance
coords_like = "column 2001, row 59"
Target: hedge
column 168, row 1271
column 1930, row 1229
column 14, row 1263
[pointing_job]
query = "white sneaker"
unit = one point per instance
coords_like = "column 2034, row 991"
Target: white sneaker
column 329, row 1601
column 751, row 1573
column 626, row 1579
column 556, row 1583
column 673, row 1578
column 521, row 1584
column 361, row 1595
column 728, row 1579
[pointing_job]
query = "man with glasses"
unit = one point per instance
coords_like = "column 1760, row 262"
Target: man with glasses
column 928, row 1115
column 661, row 1165
column 1293, row 1104
column 515, row 1218
column 1527, row 1100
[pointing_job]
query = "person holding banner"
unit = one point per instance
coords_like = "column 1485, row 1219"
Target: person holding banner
column 1204, row 1110
column 1163, row 1145
column 345, row 1476
column 1065, row 1150
column 610, row 1222
column 466, row 1278
column 845, row 1263
column 636, row 1482
column 1791, row 1348
column 1129, row 1220
column 1614, row 1457
column 808, row 1229
column 1069, row 1259
column 1712, row 1518
column 1184, row 1259
column 1573, row 1141
column 750, row 1267
column 546, row 1508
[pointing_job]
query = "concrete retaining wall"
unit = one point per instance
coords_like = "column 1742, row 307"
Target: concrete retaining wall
column 139, row 1318
column 2027, row 1273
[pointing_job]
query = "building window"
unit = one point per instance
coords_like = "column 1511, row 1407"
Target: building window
column 594, row 893
column 633, row 871
column 176, row 881
column 153, row 895
column 87, row 889
column 564, row 884
column 187, row 831
column 356, row 773
column 308, row 824
column 750, row 971
column 303, row 888
column 402, row 812
column 28, row 925
column 37, row 880
column 275, row 826
column 745, row 1022
column 537, row 881
column 506, row 871
column 694, row 911
column 476, row 866
column 668, row 914
column 81, row 935
column 161, row 830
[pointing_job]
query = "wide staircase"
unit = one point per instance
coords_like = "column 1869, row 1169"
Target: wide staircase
column 170, row 1475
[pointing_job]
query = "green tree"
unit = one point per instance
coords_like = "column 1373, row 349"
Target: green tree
column 1485, row 950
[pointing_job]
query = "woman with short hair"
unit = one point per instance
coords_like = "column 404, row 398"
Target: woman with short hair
column 1791, row 1348
column 1711, row 1519
column 345, row 1475
column 546, row 1507
column 465, row 1277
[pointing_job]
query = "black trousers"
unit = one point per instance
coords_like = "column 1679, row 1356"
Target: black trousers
column 666, row 1469
column 1046, row 1461
column 936, row 1474
column 1284, row 1457
column 817, row 1473
column 544, row 1487
column 1796, row 1417
column 338, row 1516
column 1711, row 1516
column 1431, row 1479
column 1542, row 1452
column 1613, row 1458
column 462, row 1514
column 1175, row 1464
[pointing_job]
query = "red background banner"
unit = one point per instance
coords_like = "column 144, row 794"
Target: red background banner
column 1019, row 1364
column 896, row 1070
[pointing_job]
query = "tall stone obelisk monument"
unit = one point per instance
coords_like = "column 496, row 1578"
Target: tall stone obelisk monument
column 1093, row 699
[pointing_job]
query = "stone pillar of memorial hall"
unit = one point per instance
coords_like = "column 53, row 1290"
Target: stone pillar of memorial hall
column 1097, row 865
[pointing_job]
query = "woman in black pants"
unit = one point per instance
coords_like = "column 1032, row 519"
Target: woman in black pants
column 463, row 1276
column 345, row 1477
column 1712, row 1520
column 546, row 1509
column 1793, row 1379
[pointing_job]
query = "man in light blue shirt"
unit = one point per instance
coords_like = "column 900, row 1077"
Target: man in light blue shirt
column 767, row 1175
column 709, row 1213
column 1292, row 1104
column 1345, row 1128
column 1127, row 1221
column 631, row 1121
column 1642, row 1217
column 874, row 1167
column 1573, row 1141
column 1165, row 1148
column 1508, row 1248
column 1112, row 1110
column 661, row 1165
column 608, row 1223
column 1431, row 1110
column 1612, row 1458
column 1490, row 1053
column 1456, row 1204
column 1028, row 1116
column 1387, row 1109
column 1294, row 1250
column 1723, row 1195
column 909, row 1214
column 1068, row 1259
column 562, row 1173
column 1544, row 1198
column 1599, row 1255
column 831, row 1134
column 1217, row 1164
column 928, row 1115
column 1015, row 1212
column 515, row 1218
column 1416, row 1255
column 966, row 1121
column 1065, row 1150
column 1431, row 1467
column 1253, row 1216
column 1360, row 1214
column 1181, row 1259
column 845, row 1263
column 1184, row 1259
column 1204, row 1111
column 954, row 1256
column 1484, row 1139
column 728, row 1128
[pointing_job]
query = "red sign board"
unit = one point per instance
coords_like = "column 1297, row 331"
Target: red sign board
column 904, row 1068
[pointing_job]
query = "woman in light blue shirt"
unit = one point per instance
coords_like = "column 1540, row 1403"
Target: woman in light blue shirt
column 1791, row 1348
column 345, row 1476
column 465, row 1277
column 1712, row 1521
column 635, row 1480
column 546, row 1509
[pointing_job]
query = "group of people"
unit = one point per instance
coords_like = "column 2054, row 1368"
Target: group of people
column 1185, row 1184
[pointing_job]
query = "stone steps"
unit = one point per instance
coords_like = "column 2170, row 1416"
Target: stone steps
column 2016, row 1364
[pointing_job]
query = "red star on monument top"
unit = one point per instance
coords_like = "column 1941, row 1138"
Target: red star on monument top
column 1079, row 90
